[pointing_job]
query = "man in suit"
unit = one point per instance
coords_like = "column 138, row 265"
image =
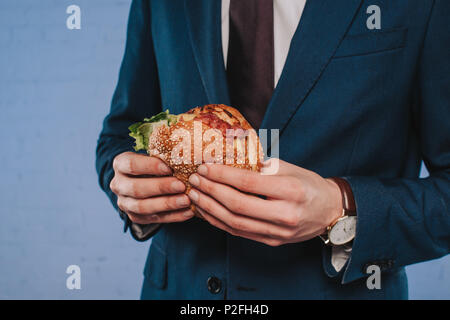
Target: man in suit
column 359, row 105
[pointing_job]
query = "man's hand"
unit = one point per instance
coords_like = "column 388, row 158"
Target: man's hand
column 296, row 204
column 146, row 193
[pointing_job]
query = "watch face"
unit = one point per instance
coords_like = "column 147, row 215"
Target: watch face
column 343, row 231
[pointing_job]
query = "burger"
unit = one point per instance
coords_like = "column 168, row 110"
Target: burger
column 212, row 133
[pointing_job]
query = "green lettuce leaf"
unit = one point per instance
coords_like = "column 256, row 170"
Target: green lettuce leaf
column 141, row 131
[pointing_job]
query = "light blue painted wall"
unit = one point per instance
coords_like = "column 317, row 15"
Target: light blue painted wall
column 55, row 89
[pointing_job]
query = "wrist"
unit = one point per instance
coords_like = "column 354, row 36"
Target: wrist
column 335, row 201
column 342, row 230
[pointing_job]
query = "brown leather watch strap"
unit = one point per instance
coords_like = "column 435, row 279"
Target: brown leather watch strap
column 348, row 200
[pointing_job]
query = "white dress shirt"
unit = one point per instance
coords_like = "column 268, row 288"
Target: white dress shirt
column 286, row 17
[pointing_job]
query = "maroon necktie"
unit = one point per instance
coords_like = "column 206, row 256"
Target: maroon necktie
column 250, row 63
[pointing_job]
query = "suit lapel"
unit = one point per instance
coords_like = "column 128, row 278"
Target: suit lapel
column 322, row 27
column 205, row 30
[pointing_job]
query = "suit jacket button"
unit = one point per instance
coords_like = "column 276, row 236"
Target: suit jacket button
column 214, row 285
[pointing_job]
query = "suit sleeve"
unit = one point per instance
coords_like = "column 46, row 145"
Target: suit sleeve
column 405, row 221
column 137, row 96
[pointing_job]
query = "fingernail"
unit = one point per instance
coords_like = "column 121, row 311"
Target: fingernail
column 193, row 195
column 182, row 201
column 154, row 217
column 177, row 186
column 163, row 168
column 203, row 170
column 188, row 214
column 194, row 180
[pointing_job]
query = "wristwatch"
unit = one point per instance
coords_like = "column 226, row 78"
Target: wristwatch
column 343, row 230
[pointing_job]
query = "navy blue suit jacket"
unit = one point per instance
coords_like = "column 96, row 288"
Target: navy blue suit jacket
column 368, row 105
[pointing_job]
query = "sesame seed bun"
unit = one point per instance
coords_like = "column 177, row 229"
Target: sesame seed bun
column 165, row 142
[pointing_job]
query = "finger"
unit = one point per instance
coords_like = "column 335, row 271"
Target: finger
column 139, row 164
column 250, row 181
column 164, row 217
column 141, row 188
column 271, row 167
column 237, row 201
column 275, row 166
column 235, row 221
column 153, row 205
column 255, row 237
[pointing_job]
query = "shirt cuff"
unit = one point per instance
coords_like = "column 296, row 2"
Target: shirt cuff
column 143, row 232
column 140, row 232
column 340, row 256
